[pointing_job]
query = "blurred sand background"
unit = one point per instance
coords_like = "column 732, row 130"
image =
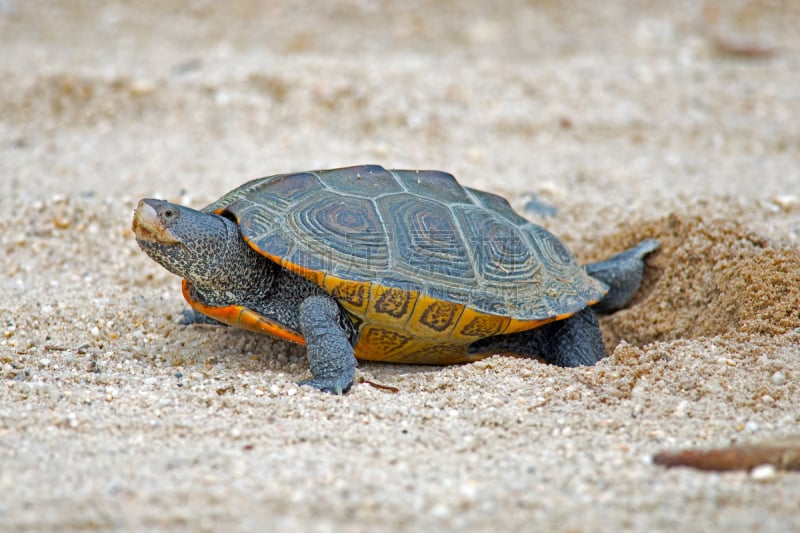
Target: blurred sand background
column 635, row 119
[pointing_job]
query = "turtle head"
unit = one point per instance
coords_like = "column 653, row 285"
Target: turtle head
column 195, row 245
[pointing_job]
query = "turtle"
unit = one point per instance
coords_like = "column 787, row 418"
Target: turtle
column 404, row 266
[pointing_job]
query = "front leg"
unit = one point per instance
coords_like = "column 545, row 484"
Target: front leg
column 330, row 354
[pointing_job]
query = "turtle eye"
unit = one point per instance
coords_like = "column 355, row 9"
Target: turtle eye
column 168, row 213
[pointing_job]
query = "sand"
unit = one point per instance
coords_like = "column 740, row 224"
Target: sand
column 634, row 120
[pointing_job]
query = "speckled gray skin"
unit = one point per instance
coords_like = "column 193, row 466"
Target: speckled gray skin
column 191, row 238
column 239, row 275
column 329, row 351
column 183, row 240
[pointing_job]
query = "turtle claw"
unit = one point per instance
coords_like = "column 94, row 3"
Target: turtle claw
column 337, row 386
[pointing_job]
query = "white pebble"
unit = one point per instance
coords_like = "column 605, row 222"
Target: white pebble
column 469, row 491
column 763, row 472
column 44, row 362
column 95, row 331
column 751, row 426
column 786, row 201
column 682, row 409
column 440, row 511
column 778, row 378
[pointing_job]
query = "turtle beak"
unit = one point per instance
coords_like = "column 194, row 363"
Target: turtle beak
column 148, row 226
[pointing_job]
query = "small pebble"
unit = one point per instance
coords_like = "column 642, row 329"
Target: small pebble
column 763, row 472
column 751, row 426
column 681, row 409
column 142, row 87
column 440, row 511
column 779, row 378
column 786, row 201
column 639, row 390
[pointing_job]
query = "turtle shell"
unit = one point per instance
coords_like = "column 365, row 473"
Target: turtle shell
column 423, row 266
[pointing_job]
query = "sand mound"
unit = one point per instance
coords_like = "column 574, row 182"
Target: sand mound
column 710, row 277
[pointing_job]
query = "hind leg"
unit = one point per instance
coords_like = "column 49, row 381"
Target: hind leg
column 575, row 341
column 623, row 275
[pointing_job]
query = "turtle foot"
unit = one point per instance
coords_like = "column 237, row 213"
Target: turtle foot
column 336, row 385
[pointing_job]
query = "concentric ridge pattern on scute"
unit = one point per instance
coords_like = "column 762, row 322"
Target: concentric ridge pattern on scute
column 413, row 230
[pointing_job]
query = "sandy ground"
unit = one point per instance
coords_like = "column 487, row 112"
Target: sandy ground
column 634, row 120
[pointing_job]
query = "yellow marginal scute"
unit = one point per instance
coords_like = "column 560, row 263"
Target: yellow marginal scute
column 390, row 304
column 474, row 325
column 352, row 295
column 377, row 343
column 433, row 318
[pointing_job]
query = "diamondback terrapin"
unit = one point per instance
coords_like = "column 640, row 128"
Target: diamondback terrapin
column 386, row 265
